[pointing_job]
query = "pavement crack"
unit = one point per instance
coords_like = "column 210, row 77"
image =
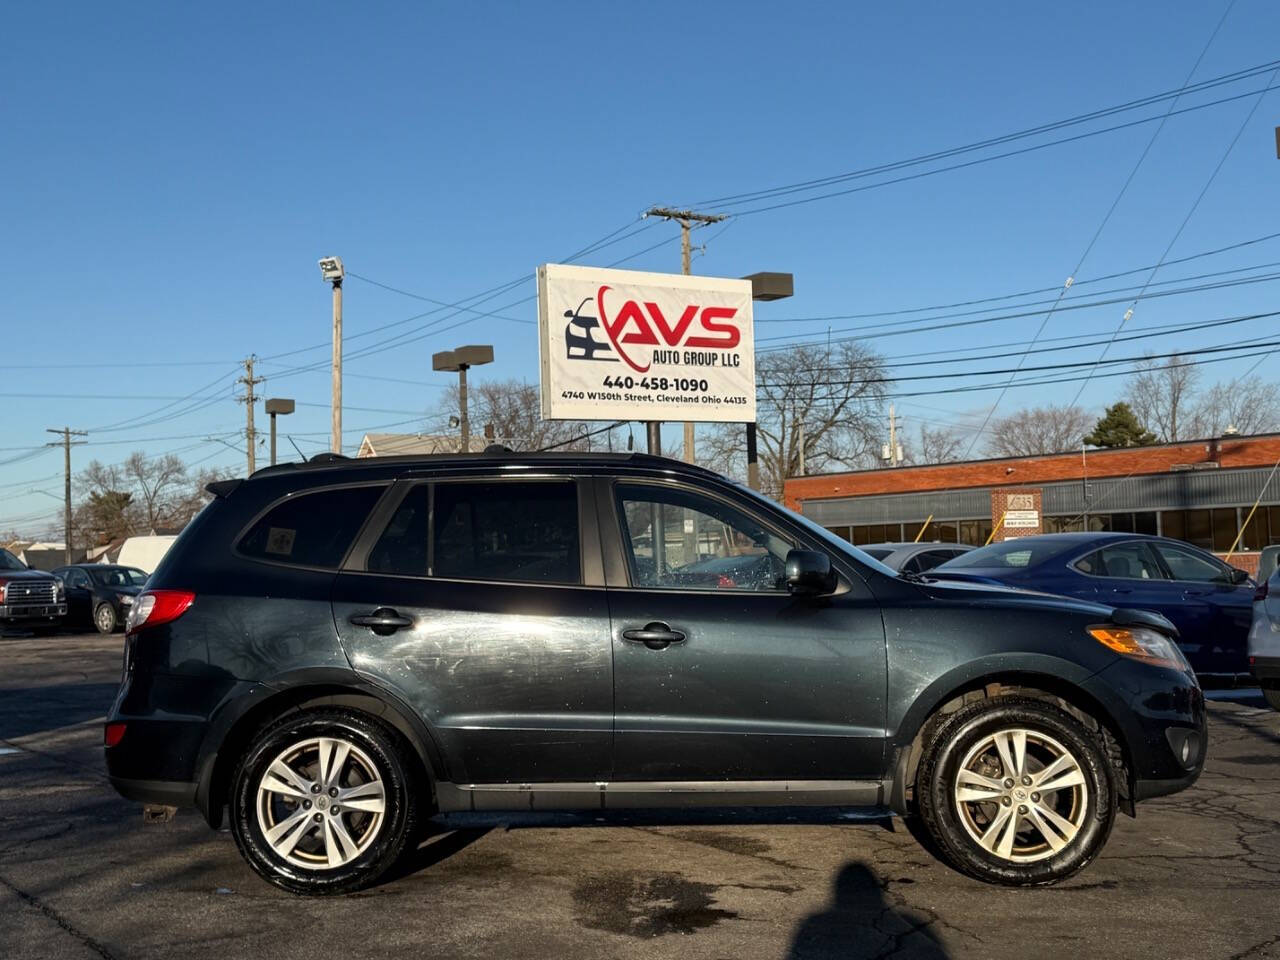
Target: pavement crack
column 64, row 924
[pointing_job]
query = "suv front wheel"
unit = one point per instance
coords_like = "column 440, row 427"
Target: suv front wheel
column 322, row 802
column 1016, row 791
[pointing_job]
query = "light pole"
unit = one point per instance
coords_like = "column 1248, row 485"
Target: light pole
column 332, row 272
column 461, row 360
column 764, row 287
column 278, row 406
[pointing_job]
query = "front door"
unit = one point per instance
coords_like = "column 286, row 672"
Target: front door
column 719, row 673
column 1211, row 611
column 472, row 605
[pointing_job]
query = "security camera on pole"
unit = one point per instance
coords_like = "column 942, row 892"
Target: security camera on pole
column 332, row 272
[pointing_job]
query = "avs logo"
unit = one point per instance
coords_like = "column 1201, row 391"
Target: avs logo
column 635, row 326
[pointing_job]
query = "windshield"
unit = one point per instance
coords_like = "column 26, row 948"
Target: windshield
column 839, row 544
column 120, row 577
column 1011, row 554
column 9, row 562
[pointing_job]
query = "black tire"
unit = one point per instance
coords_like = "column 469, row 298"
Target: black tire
column 396, row 826
column 105, row 619
column 1031, row 859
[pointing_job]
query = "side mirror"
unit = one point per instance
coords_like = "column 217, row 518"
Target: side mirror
column 809, row 573
column 1239, row 576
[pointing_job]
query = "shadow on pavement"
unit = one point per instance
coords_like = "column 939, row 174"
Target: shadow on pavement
column 439, row 845
column 858, row 922
column 31, row 710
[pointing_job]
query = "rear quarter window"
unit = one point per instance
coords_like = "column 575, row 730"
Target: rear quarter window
column 312, row 529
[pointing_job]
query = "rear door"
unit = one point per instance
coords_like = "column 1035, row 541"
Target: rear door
column 476, row 602
column 719, row 673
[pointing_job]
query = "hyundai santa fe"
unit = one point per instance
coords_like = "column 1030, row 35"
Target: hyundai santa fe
column 332, row 652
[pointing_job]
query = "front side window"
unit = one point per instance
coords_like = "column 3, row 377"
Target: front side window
column 311, row 529
column 678, row 539
column 522, row 532
column 1188, row 565
column 1125, row 561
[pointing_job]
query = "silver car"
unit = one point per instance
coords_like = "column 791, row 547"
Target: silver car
column 914, row 557
column 1264, row 638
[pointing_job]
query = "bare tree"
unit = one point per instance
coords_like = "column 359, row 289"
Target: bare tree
column 514, row 409
column 156, row 482
column 1249, row 406
column 830, row 398
column 1041, row 430
column 1161, row 394
column 944, row 445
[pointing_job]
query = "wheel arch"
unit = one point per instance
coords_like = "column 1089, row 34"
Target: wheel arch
column 232, row 731
column 944, row 698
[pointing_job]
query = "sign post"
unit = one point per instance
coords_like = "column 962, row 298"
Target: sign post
column 628, row 345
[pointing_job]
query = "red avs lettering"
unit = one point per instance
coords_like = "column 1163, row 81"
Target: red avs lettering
column 634, row 325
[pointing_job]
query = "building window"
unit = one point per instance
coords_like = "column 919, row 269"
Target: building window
column 975, row 532
column 877, row 533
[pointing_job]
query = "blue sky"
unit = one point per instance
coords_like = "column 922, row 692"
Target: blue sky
column 172, row 172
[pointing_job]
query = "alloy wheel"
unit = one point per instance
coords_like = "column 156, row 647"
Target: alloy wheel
column 1021, row 795
column 320, row 803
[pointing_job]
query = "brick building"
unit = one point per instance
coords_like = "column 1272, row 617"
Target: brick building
column 1200, row 491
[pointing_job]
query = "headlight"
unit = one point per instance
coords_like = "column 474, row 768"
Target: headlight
column 126, row 599
column 1141, row 643
column 59, row 591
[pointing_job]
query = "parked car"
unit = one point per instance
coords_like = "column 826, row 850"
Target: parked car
column 1264, row 638
column 1268, row 561
column 914, row 557
column 356, row 645
column 29, row 599
column 1209, row 602
column 100, row 594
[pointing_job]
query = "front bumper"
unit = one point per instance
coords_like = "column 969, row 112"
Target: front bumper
column 1161, row 715
column 23, row 613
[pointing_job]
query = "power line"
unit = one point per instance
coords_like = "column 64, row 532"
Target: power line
column 1105, row 220
column 1187, row 219
column 819, row 182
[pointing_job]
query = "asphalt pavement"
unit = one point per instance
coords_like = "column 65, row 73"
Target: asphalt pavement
column 81, row 875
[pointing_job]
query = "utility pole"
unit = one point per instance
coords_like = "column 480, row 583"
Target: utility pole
column 332, row 271
column 686, row 219
column 67, row 443
column 250, row 381
column 800, row 431
column 894, row 457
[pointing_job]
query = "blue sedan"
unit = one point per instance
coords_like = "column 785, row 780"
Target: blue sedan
column 1210, row 602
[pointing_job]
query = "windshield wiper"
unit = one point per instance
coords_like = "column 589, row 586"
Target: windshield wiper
column 914, row 577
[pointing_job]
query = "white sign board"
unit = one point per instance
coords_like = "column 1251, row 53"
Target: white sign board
column 626, row 345
column 1022, row 518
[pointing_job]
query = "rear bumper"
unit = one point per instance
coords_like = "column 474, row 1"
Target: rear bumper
column 169, row 793
column 1266, row 670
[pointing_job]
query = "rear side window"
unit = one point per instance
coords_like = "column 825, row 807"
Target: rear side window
column 1125, row 561
column 522, row 532
column 311, row 529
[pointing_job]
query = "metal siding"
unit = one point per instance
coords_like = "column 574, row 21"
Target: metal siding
column 1182, row 490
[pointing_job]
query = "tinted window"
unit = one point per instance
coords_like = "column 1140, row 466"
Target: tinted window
column 526, row 532
column 931, row 558
column 311, row 529
column 120, row 577
column 1017, row 554
column 700, row 542
column 1189, row 565
column 9, row 562
column 1126, row 561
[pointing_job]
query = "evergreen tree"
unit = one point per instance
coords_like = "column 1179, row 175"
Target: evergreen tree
column 1119, row 427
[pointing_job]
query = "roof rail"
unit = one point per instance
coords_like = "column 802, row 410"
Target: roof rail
column 328, row 457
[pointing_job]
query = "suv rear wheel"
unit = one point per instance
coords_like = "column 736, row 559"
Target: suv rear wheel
column 1016, row 791
column 322, row 802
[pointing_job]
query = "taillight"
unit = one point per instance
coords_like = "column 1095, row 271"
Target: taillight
column 1261, row 592
column 112, row 734
column 151, row 608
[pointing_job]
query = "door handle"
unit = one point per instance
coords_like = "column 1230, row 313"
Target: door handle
column 656, row 635
column 383, row 621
